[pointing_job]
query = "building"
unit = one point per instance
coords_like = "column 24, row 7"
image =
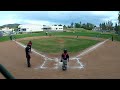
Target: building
column 96, row 29
column 30, row 28
column 36, row 28
column 46, row 28
column 56, row 28
column 7, row 31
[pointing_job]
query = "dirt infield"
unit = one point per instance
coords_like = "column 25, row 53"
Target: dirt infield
column 102, row 63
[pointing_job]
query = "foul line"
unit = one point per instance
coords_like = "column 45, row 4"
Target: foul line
column 46, row 58
column 86, row 52
column 90, row 49
column 78, row 57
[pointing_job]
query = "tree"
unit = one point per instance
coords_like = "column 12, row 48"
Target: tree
column 100, row 25
column 88, row 26
column 83, row 25
column 72, row 24
column 69, row 26
column 16, row 29
column 116, row 28
column 103, row 26
column 106, row 25
column 80, row 24
column 64, row 26
column 77, row 25
column 109, row 25
column 118, row 32
column 119, row 18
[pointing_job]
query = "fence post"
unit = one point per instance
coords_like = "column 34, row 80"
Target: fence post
column 5, row 72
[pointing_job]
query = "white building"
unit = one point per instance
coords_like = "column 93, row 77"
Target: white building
column 56, row 28
column 96, row 29
column 6, row 31
column 36, row 28
column 30, row 28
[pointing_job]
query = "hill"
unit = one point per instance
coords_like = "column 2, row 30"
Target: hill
column 10, row 25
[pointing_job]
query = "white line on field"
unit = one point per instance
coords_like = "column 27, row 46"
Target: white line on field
column 46, row 58
column 42, row 66
column 86, row 52
column 90, row 49
column 74, row 58
column 34, row 51
column 56, row 63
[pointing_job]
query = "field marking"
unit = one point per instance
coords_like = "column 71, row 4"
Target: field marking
column 91, row 49
column 78, row 57
column 45, row 57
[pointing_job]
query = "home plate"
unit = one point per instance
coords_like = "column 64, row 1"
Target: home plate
column 50, row 64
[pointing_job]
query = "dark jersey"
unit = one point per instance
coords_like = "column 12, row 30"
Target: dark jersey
column 27, row 50
column 65, row 56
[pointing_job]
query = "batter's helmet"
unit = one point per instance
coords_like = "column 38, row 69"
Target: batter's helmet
column 65, row 50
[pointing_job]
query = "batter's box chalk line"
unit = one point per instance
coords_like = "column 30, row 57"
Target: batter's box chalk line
column 58, row 63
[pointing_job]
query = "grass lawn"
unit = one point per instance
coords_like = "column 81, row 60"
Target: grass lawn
column 55, row 45
column 4, row 38
column 77, row 32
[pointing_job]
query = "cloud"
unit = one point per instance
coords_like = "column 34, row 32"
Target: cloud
column 38, row 22
column 58, row 17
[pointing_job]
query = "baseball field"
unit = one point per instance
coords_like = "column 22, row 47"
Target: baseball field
column 93, row 55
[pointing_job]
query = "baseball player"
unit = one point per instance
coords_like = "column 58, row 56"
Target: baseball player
column 112, row 37
column 30, row 44
column 27, row 50
column 64, row 59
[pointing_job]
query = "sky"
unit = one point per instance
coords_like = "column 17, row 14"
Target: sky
column 57, row 17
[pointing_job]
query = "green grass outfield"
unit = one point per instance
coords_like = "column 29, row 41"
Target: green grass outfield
column 56, row 45
column 79, row 32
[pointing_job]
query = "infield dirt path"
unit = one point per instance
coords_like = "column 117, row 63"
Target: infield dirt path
column 102, row 63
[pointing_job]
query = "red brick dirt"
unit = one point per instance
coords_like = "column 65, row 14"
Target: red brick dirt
column 102, row 63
